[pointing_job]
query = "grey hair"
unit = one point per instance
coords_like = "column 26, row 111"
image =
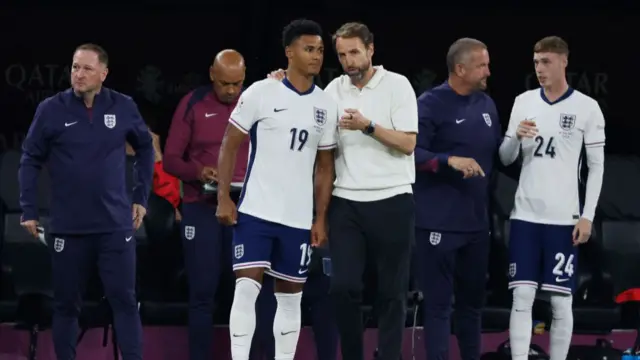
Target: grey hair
column 460, row 49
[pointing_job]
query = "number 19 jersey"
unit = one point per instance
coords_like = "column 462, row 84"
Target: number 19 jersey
column 286, row 129
column 548, row 188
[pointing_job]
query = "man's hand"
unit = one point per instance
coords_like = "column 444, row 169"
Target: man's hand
column 468, row 166
column 178, row 216
column 208, row 175
column 353, row 120
column 526, row 129
column 227, row 213
column 277, row 75
column 31, row 226
column 319, row 233
column 138, row 214
column 581, row 232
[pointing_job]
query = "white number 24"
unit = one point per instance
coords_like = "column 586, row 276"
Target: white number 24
column 305, row 255
column 564, row 266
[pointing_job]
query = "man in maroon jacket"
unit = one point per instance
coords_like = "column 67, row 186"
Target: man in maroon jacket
column 191, row 154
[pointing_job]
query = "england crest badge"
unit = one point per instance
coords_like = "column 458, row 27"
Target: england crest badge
column 567, row 121
column 487, row 118
column 320, row 116
column 110, row 121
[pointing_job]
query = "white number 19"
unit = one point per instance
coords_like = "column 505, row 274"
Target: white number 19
column 564, row 266
column 305, row 255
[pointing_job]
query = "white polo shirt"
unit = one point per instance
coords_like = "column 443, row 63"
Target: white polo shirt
column 366, row 169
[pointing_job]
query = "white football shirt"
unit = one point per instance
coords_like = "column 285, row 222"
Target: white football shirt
column 286, row 130
column 548, row 188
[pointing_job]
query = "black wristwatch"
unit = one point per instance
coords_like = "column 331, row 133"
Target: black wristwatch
column 370, row 129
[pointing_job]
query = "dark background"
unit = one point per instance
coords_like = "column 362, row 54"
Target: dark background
column 161, row 50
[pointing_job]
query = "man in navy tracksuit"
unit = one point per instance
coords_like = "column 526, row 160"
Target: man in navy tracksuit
column 457, row 144
column 80, row 135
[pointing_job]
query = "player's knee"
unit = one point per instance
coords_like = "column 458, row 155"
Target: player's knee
column 288, row 287
column 561, row 305
column 523, row 298
column 256, row 274
column 246, row 293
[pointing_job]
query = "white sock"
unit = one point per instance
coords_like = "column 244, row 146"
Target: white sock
column 521, row 323
column 242, row 320
column 561, row 326
column 286, row 325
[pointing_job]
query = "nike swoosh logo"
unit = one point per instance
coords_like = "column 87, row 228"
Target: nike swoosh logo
column 127, row 239
column 278, row 110
column 302, row 271
column 458, row 121
column 288, row 332
column 239, row 335
column 210, row 115
column 558, row 279
column 69, row 124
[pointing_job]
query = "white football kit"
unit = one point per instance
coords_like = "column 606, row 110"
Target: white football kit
column 287, row 129
column 548, row 188
column 547, row 204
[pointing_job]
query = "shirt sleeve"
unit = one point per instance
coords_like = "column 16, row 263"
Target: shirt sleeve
column 35, row 150
column 247, row 110
column 594, row 135
column 178, row 141
column 404, row 107
column 425, row 159
column 594, row 141
column 329, row 138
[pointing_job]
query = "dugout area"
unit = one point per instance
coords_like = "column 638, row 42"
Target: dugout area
column 608, row 263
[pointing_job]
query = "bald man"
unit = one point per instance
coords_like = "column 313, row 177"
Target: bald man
column 191, row 154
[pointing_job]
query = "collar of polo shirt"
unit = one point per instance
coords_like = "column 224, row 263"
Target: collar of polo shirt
column 373, row 82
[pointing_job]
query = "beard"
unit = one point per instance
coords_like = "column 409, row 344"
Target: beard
column 359, row 73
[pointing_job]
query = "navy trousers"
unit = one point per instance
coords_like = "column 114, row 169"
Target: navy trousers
column 73, row 260
column 448, row 261
column 206, row 245
column 317, row 300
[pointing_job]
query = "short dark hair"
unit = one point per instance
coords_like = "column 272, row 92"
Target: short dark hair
column 552, row 44
column 459, row 49
column 352, row 30
column 103, row 57
column 298, row 28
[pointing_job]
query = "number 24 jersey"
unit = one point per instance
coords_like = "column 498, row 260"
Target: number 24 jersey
column 286, row 129
column 548, row 187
